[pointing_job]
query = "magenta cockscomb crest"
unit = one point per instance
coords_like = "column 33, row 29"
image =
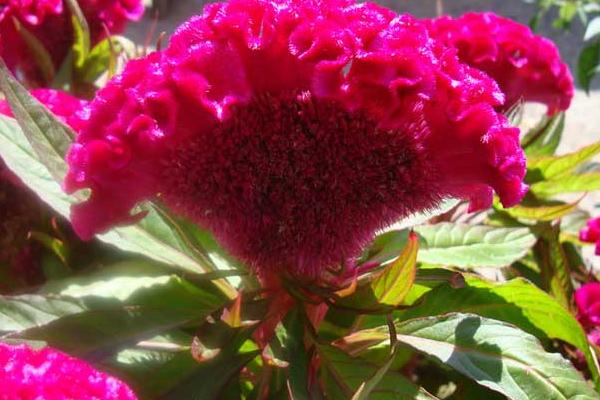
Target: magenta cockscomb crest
column 294, row 130
column 526, row 66
column 28, row 374
column 50, row 22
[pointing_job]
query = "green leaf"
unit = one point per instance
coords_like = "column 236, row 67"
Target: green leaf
column 38, row 51
column 22, row 312
column 288, row 346
column 588, row 64
column 49, row 138
column 496, row 355
column 81, row 31
column 593, row 29
column 387, row 288
column 210, row 378
column 118, row 310
column 546, row 168
column 518, row 302
column 102, row 58
column 19, row 156
column 342, row 375
column 391, row 285
column 542, row 213
column 470, row 246
column 554, row 264
column 567, row 184
column 543, row 140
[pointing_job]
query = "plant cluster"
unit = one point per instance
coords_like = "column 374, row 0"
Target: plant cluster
column 293, row 199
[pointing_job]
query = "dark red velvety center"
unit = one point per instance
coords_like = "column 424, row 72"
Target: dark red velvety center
column 291, row 183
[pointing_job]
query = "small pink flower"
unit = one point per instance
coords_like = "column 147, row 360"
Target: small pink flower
column 526, row 66
column 48, row 374
column 587, row 299
column 294, row 130
column 50, row 22
column 591, row 233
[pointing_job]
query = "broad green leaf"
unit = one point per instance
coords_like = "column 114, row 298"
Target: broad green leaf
column 543, row 140
column 470, row 246
column 49, row 138
column 342, row 375
column 541, row 213
column 567, row 184
column 81, row 31
column 496, row 355
column 22, row 312
column 518, row 302
column 19, row 156
column 118, row 310
column 588, row 64
column 40, row 54
column 546, row 168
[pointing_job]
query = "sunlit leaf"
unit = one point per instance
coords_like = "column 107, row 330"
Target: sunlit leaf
column 470, row 246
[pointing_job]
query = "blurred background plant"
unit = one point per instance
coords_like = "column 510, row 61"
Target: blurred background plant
column 569, row 12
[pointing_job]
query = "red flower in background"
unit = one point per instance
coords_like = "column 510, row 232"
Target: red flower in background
column 294, row 130
column 526, row 66
column 20, row 209
column 591, row 233
column 587, row 299
column 48, row 374
column 50, row 22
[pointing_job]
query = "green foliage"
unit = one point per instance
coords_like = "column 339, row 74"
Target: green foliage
column 588, row 13
column 167, row 309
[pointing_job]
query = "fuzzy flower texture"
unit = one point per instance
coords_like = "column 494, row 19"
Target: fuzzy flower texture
column 526, row 66
column 27, row 374
column 294, row 130
column 49, row 21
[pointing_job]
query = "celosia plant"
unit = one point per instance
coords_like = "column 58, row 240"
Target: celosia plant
column 294, row 132
column 526, row 66
column 315, row 199
column 50, row 24
column 48, row 374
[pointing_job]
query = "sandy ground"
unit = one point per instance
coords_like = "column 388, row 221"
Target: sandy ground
column 583, row 118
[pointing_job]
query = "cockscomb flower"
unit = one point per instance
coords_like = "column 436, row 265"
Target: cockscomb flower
column 28, row 374
column 50, row 22
column 20, row 209
column 587, row 300
column 591, row 233
column 294, row 130
column 526, row 66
